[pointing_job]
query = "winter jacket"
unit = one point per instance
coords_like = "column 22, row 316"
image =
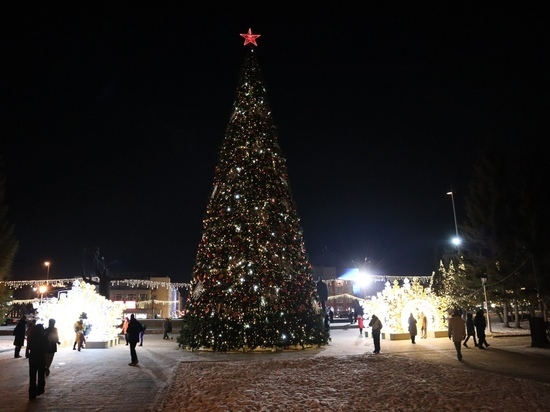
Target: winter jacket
column 19, row 333
column 457, row 328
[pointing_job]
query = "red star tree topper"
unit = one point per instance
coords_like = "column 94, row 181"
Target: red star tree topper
column 250, row 38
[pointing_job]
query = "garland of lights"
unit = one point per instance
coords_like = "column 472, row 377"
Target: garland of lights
column 141, row 304
column 61, row 283
column 150, row 284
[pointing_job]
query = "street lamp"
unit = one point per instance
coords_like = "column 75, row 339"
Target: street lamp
column 47, row 264
column 456, row 239
column 484, row 283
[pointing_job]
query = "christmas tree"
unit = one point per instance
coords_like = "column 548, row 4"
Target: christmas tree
column 252, row 285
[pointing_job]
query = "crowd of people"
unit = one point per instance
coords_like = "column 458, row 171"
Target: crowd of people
column 40, row 350
column 41, row 344
column 459, row 330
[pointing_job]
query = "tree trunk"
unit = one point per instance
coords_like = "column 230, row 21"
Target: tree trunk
column 505, row 313
column 516, row 314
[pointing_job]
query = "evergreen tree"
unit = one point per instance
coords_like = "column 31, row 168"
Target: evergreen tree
column 252, row 283
column 505, row 221
column 8, row 247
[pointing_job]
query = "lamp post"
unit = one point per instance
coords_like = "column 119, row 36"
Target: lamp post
column 47, row 264
column 456, row 240
column 484, row 283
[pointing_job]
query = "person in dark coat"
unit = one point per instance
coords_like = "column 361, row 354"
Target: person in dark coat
column 38, row 345
column 19, row 333
column 134, row 328
column 53, row 341
column 167, row 325
column 412, row 328
column 480, row 324
column 470, row 329
column 30, row 325
column 376, row 326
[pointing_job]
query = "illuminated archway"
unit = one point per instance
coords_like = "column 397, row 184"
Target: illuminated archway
column 395, row 303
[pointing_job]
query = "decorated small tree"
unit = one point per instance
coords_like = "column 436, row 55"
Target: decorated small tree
column 252, row 284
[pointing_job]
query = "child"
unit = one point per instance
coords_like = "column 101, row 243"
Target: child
column 361, row 325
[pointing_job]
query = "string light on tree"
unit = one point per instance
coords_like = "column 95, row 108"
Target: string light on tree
column 252, row 286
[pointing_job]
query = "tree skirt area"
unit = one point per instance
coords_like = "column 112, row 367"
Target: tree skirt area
column 349, row 383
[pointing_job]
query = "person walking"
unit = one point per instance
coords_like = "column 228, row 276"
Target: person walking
column 457, row 332
column 124, row 327
column 167, row 324
column 143, row 327
column 480, row 324
column 19, row 333
column 376, row 326
column 38, row 345
column 53, row 340
column 412, row 328
column 470, row 329
column 360, row 324
column 424, row 326
column 79, row 334
column 134, row 328
column 31, row 324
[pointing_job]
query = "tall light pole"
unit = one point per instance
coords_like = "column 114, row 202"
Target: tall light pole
column 47, row 264
column 484, row 283
column 456, row 240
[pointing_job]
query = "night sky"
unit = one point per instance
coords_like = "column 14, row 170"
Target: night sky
column 112, row 120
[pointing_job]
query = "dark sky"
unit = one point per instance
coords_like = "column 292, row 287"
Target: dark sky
column 112, row 120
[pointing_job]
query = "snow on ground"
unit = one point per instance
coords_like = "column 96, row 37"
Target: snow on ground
column 351, row 383
column 369, row 382
column 383, row 382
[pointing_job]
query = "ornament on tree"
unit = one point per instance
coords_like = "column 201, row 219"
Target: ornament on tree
column 198, row 290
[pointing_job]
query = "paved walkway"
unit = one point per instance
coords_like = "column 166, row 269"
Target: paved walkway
column 101, row 380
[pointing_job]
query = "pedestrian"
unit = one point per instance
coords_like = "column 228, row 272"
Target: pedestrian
column 38, row 345
column 376, row 326
column 360, row 324
column 19, row 333
column 359, row 313
column 331, row 315
column 87, row 331
column 124, row 327
column 134, row 328
column 167, row 324
column 53, row 340
column 412, row 327
column 143, row 327
column 480, row 324
column 457, row 332
column 31, row 324
column 470, row 329
column 424, row 325
column 79, row 334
